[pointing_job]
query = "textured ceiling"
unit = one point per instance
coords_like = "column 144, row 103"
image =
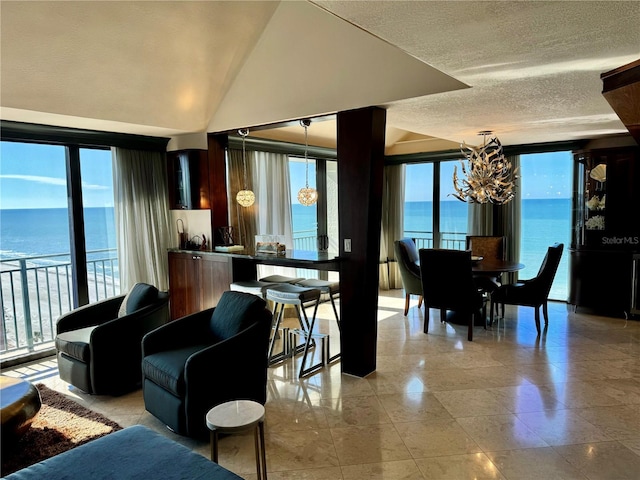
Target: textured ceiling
column 528, row 70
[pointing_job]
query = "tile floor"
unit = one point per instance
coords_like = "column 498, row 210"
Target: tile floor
column 508, row 405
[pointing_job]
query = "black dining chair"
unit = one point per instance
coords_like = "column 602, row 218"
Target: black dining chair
column 448, row 285
column 533, row 292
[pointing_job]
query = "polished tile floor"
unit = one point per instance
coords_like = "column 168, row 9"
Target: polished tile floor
column 508, row 405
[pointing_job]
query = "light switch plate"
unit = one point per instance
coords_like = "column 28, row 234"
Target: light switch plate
column 347, row 245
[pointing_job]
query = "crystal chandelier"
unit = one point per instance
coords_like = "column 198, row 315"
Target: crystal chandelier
column 245, row 197
column 307, row 196
column 489, row 175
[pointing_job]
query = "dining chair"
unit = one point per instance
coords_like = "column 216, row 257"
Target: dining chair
column 409, row 265
column 488, row 247
column 533, row 292
column 448, row 285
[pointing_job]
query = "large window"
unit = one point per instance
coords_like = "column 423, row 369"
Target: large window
column 418, row 204
column 546, row 210
column 39, row 279
column 99, row 223
column 433, row 222
column 546, row 214
column 304, row 219
column 453, row 212
column 35, row 277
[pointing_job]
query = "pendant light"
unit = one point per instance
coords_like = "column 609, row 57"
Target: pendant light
column 245, row 197
column 307, row 196
column 490, row 177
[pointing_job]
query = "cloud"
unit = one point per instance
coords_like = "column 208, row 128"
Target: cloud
column 52, row 181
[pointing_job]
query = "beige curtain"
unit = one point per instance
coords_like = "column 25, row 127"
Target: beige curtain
column 508, row 222
column 142, row 217
column 480, row 219
column 392, row 225
column 242, row 219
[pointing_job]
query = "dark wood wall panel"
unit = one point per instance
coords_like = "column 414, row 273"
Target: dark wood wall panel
column 218, row 185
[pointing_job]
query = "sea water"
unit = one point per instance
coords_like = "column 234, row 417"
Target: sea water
column 39, row 232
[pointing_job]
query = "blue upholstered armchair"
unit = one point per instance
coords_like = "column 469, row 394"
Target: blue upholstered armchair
column 199, row 361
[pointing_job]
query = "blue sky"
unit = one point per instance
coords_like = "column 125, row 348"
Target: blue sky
column 546, row 175
column 34, row 176
column 40, row 182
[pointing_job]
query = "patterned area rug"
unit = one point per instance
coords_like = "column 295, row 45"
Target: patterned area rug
column 60, row 425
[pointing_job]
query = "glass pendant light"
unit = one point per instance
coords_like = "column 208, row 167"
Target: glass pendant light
column 307, row 196
column 245, row 197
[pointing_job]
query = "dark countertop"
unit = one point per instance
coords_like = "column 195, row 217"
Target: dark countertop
column 312, row 259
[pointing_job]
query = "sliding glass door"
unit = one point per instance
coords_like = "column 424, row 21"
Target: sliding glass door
column 38, row 273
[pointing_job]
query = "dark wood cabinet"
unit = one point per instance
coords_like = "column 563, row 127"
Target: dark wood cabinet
column 601, row 280
column 607, row 229
column 196, row 281
column 188, row 173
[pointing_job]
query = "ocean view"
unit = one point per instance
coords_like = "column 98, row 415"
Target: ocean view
column 38, row 232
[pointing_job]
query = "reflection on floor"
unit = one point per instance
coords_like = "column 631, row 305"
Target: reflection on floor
column 508, row 405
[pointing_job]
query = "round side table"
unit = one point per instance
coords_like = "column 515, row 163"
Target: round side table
column 236, row 416
column 20, row 402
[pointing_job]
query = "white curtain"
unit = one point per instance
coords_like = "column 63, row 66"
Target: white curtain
column 141, row 217
column 392, row 225
column 272, row 187
column 273, row 195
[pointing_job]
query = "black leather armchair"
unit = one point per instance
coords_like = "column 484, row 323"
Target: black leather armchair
column 99, row 345
column 199, row 361
column 533, row 292
column 409, row 265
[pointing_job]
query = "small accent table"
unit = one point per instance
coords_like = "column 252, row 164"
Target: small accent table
column 235, row 416
column 20, row 402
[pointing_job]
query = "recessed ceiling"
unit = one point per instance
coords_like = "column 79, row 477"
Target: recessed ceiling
column 529, row 71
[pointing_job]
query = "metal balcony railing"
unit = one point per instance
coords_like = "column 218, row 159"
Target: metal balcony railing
column 305, row 240
column 35, row 291
column 451, row 240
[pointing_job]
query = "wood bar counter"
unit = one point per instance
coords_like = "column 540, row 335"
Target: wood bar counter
column 198, row 278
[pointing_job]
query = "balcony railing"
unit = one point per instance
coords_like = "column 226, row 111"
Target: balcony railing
column 451, row 240
column 39, row 289
column 305, row 240
column 35, row 291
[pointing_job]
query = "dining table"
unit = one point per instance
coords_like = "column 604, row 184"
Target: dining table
column 490, row 266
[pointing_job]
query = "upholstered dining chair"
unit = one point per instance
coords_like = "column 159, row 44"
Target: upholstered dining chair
column 448, row 285
column 533, row 292
column 489, row 247
column 99, row 345
column 409, row 265
column 486, row 246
